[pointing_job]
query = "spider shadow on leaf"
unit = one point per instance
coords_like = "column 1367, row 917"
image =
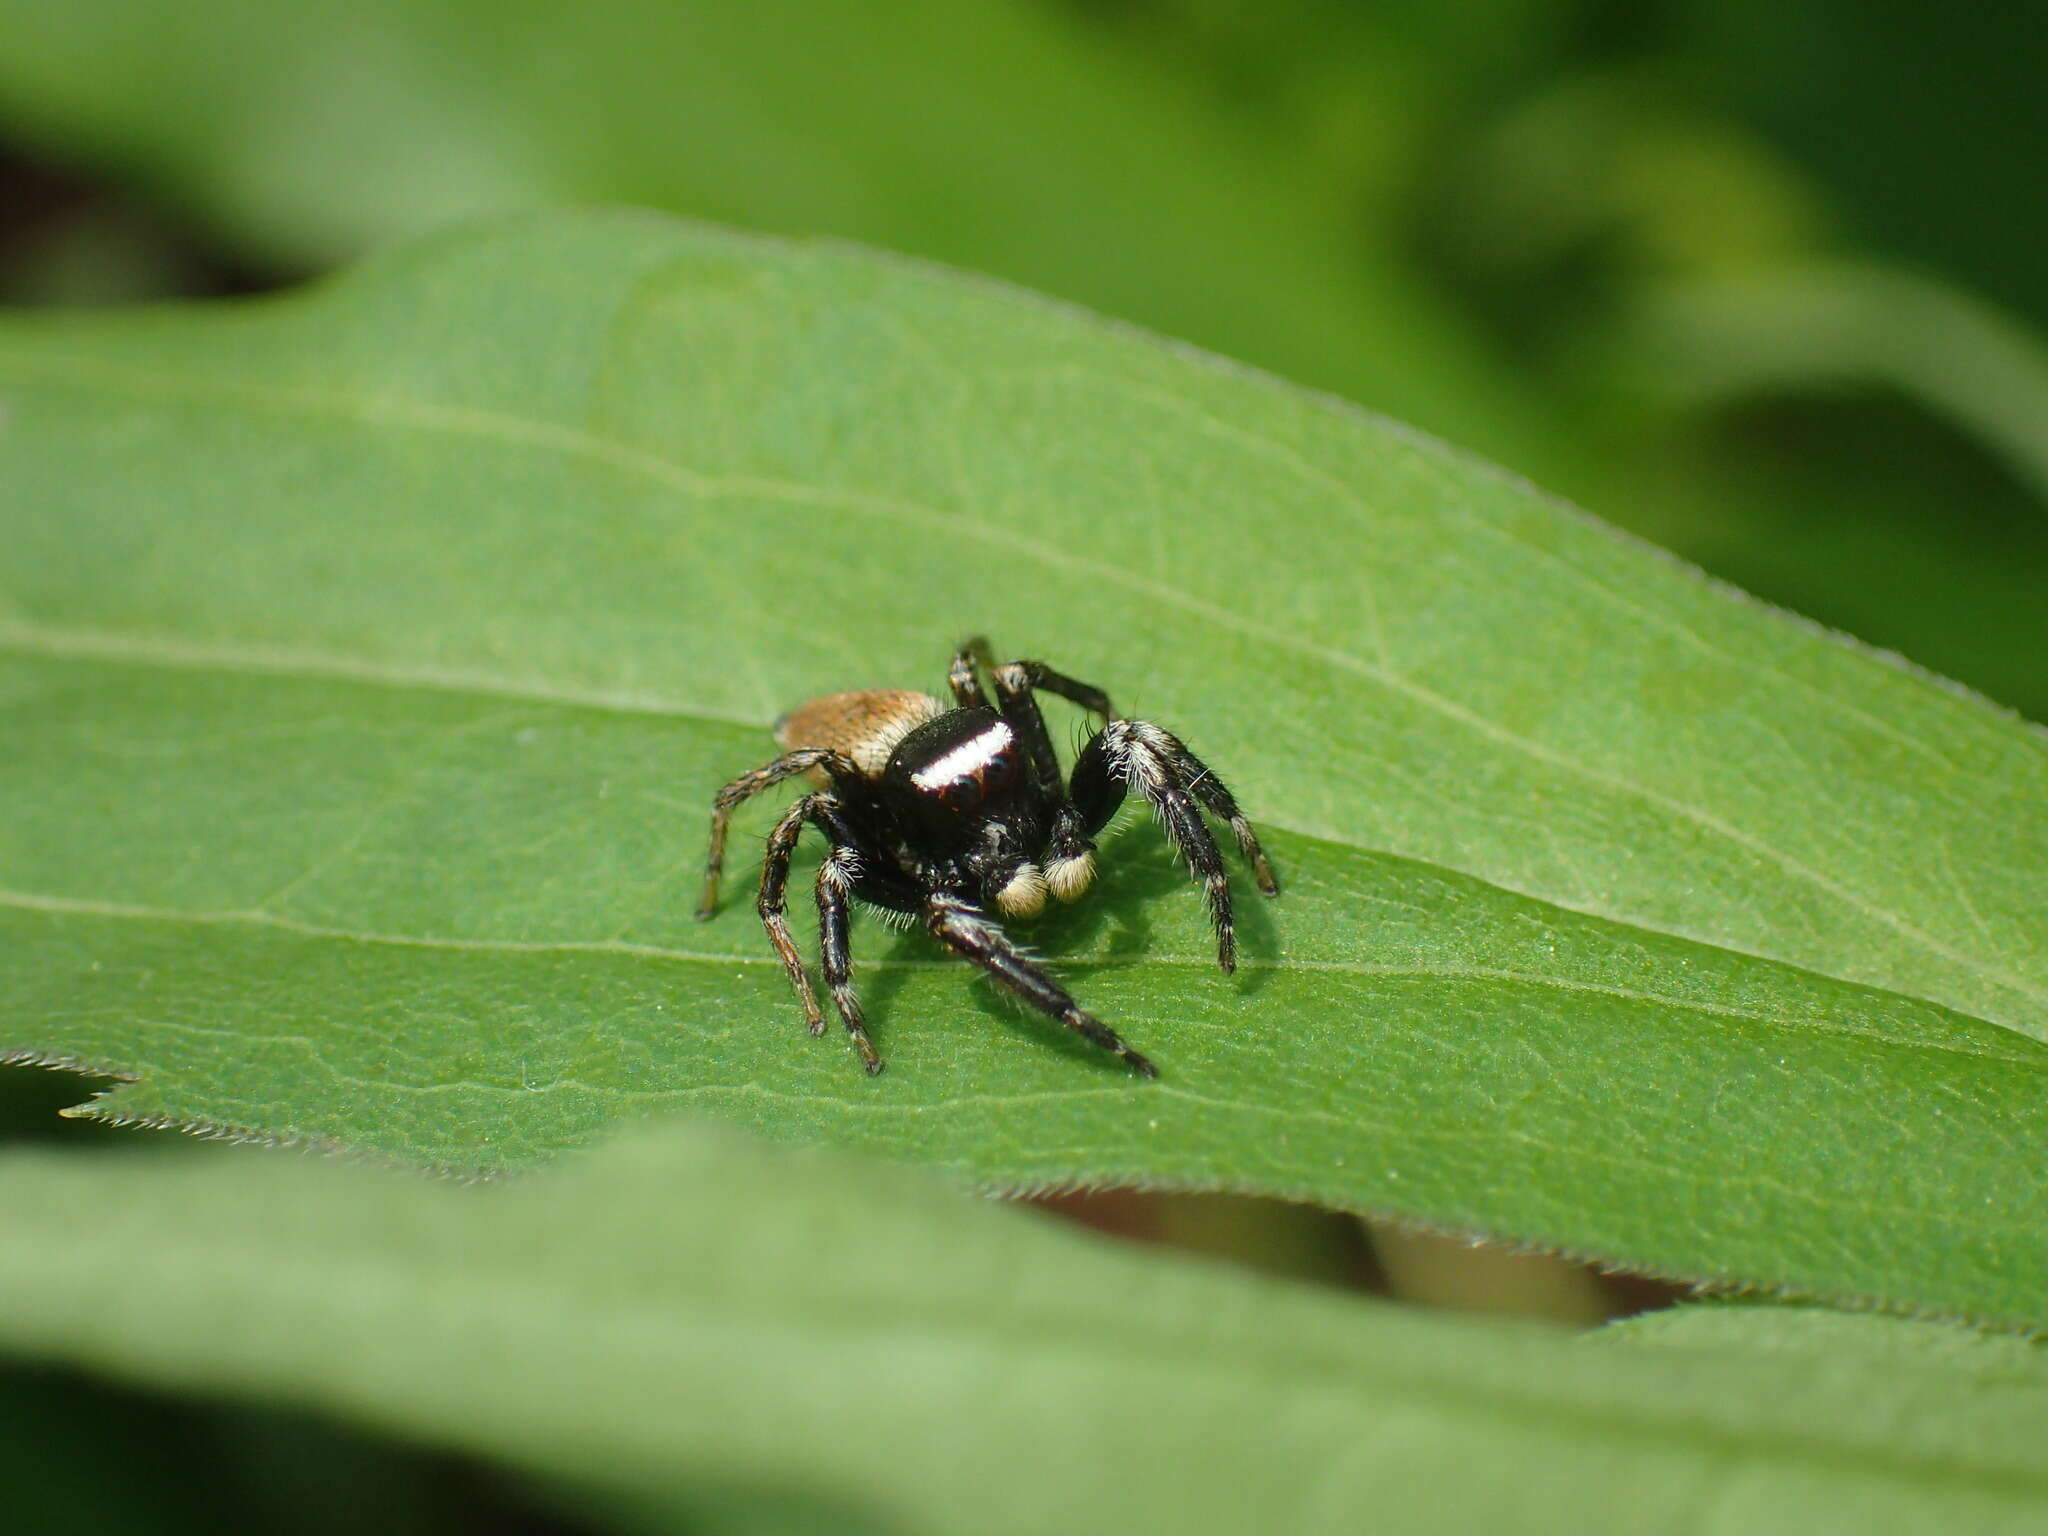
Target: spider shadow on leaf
column 1139, row 875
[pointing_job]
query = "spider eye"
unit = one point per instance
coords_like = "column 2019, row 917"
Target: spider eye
column 998, row 771
column 962, row 793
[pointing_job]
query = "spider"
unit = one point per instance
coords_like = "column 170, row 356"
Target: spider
column 940, row 815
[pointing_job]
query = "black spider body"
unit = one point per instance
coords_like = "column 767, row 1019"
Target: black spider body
column 959, row 792
column 950, row 816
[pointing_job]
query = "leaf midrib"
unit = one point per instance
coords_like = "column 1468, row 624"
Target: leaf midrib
column 31, row 901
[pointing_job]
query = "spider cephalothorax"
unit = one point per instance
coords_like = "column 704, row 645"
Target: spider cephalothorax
column 944, row 814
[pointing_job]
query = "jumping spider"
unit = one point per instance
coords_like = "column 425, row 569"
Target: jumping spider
column 939, row 814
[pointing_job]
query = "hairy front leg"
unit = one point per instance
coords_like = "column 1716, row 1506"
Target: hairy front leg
column 966, row 930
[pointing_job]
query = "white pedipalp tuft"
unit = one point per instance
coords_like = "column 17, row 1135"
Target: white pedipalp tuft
column 1068, row 878
column 1024, row 894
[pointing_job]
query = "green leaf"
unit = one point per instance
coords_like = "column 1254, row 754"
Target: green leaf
column 689, row 1308
column 370, row 658
column 1823, row 1340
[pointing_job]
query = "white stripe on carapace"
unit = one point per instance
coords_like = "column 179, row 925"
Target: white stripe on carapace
column 970, row 757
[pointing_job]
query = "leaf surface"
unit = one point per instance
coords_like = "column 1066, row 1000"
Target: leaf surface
column 369, row 659
column 689, row 1308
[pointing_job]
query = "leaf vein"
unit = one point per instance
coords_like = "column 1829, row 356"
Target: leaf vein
column 81, row 907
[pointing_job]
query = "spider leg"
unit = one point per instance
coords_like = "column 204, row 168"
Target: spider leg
column 774, row 889
column 964, row 680
column 850, row 869
column 1130, row 754
column 968, row 931
column 743, row 788
column 837, row 877
column 1213, row 794
column 1036, row 674
column 1069, row 856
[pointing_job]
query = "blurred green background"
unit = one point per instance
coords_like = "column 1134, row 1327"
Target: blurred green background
column 1763, row 283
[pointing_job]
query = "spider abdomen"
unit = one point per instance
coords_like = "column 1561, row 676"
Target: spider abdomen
column 864, row 725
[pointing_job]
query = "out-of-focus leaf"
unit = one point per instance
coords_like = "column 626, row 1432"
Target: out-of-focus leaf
column 1856, row 324
column 1006, row 137
column 1848, row 1342
column 690, row 1307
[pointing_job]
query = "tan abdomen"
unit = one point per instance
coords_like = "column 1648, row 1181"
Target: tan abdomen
column 865, row 725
